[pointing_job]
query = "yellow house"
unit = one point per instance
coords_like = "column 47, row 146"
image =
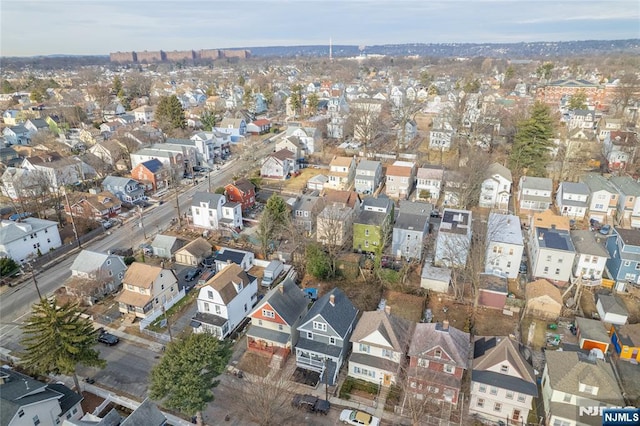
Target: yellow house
column 626, row 341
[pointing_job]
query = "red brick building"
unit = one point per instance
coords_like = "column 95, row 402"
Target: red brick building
column 553, row 92
column 241, row 191
column 151, row 173
column 438, row 356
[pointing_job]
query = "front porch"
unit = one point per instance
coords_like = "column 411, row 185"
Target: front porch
column 274, row 353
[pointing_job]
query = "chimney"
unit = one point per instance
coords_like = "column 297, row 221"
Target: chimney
column 445, row 325
column 281, row 287
column 228, row 261
column 387, row 309
column 332, row 299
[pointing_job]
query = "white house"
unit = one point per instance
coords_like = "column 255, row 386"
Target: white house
column 379, row 346
column 429, row 180
column 28, row 238
column 505, row 244
column 454, row 238
column 496, row 188
column 213, row 211
column 342, row 171
column 368, row 176
column 503, row 383
column 224, row 301
column 245, row 259
column 628, row 208
column 591, row 256
column 611, row 309
column 535, row 193
column 550, row 247
column 571, row 380
column 603, row 198
column 435, row 278
column 143, row 114
column 572, row 199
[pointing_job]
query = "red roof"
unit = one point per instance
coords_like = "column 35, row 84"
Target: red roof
column 262, row 122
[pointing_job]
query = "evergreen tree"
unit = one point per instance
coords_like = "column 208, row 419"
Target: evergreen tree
column 530, row 152
column 318, row 263
column 58, row 338
column 247, row 97
column 312, row 104
column 295, row 99
column 209, row 120
column 186, row 373
column 170, row 113
column 117, row 85
column 578, row 101
column 278, row 210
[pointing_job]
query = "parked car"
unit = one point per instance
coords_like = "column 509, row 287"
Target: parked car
column 192, row 274
column 595, row 225
column 356, row 417
column 523, row 268
column 107, row 338
column 311, row 403
column 605, row 229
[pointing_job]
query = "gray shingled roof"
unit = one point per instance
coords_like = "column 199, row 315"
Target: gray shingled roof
column 367, row 165
column 339, row 316
column 504, row 228
column 395, row 330
column 586, row 242
column 454, row 342
column 540, row 183
column 147, row 414
column 580, row 188
column 288, row 303
column 612, row 304
column 497, row 168
column 89, row 261
column 205, row 197
column 626, row 185
column 598, row 183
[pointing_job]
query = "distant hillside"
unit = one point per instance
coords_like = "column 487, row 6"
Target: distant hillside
column 494, row 50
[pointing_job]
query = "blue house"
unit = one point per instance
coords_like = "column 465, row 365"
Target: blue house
column 623, row 264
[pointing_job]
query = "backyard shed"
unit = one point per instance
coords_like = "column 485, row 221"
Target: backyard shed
column 543, row 300
column 194, row 253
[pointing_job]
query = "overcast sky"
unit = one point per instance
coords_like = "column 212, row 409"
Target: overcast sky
column 99, row 27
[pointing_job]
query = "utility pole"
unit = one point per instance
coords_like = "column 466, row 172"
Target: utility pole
column 166, row 317
column 73, row 222
column 33, row 276
column 326, row 379
column 144, row 232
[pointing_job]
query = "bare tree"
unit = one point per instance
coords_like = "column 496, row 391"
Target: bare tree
column 364, row 123
column 628, row 89
column 403, row 115
column 334, row 230
column 472, row 173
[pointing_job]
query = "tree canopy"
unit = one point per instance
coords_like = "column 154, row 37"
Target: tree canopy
column 295, row 100
column 278, row 210
column 58, row 338
column 530, row 151
column 578, row 100
column 170, row 113
column 318, row 263
column 7, row 266
column 186, row 373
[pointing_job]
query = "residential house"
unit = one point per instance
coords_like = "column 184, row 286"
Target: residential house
column 93, row 205
column 435, row 278
column 505, row 245
column 35, row 125
column 400, row 178
column 94, row 275
column 259, row 127
column 305, row 212
column 324, row 335
column 592, row 335
column 368, row 176
column 213, row 211
column 429, row 180
column 496, row 188
column 454, row 187
column 146, row 289
column 503, row 383
column 225, row 301
column 628, row 209
column 492, row 290
column 152, row 173
column 623, row 265
column 535, row 193
column 626, row 341
column 59, row 171
column 110, row 151
column 310, row 137
column 620, row 149
column 178, row 154
column 607, row 125
column 591, row 257
column 275, row 320
column 571, row 380
column 20, row 184
column 334, row 224
column 317, row 183
column 211, row 146
column 241, row 191
column 572, row 199
column 407, row 133
column 17, row 135
column 454, row 238
column 342, row 172
column 226, row 256
column 441, row 137
column 28, row 238
column 9, row 157
column 12, row 117
column 143, row 114
column 380, row 342
column 236, row 127
column 165, row 246
column 611, row 309
column 293, row 144
column 543, row 300
column 438, row 357
column 126, row 189
column 279, row 165
column 373, row 224
column 603, row 196
column 113, row 110
column 26, row 401
column 410, row 229
column 582, row 119
column 194, row 252
column 552, row 252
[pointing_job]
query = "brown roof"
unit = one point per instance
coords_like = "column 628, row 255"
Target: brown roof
column 141, row 275
column 283, row 154
column 244, row 185
column 198, row 248
column 100, row 201
column 547, row 219
column 454, row 342
column 542, row 287
column 399, row 171
column 134, row 298
column 224, row 281
column 348, row 198
column 341, row 161
column 395, row 330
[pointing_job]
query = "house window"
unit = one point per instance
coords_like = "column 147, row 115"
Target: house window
column 319, row 326
column 567, row 397
column 210, row 294
column 437, row 353
column 108, row 262
column 637, row 266
column 197, row 211
column 510, row 252
column 48, row 240
column 482, row 388
column 493, row 390
column 560, row 260
column 332, row 340
column 245, row 307
column 280, row 327
column 557, row 271
column 504, row 368
column 364, row 348
column 480, row 403
column 20, row 413
column 521, row 397
column 366, row 232
column 218, row 310
column 509, row 395
column 387, row 353
column 548, row 258
column 450, row 369
column 423, row 363
column 497, row 407
column 546, row 269
column 309, row 335
column 161, row 285
column 268, row 314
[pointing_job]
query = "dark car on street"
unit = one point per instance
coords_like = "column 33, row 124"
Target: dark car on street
column 107, row 338
column 311, row 403
column 192, row 274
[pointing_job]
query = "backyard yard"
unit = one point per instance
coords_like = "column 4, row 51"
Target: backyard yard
column 404, row 305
